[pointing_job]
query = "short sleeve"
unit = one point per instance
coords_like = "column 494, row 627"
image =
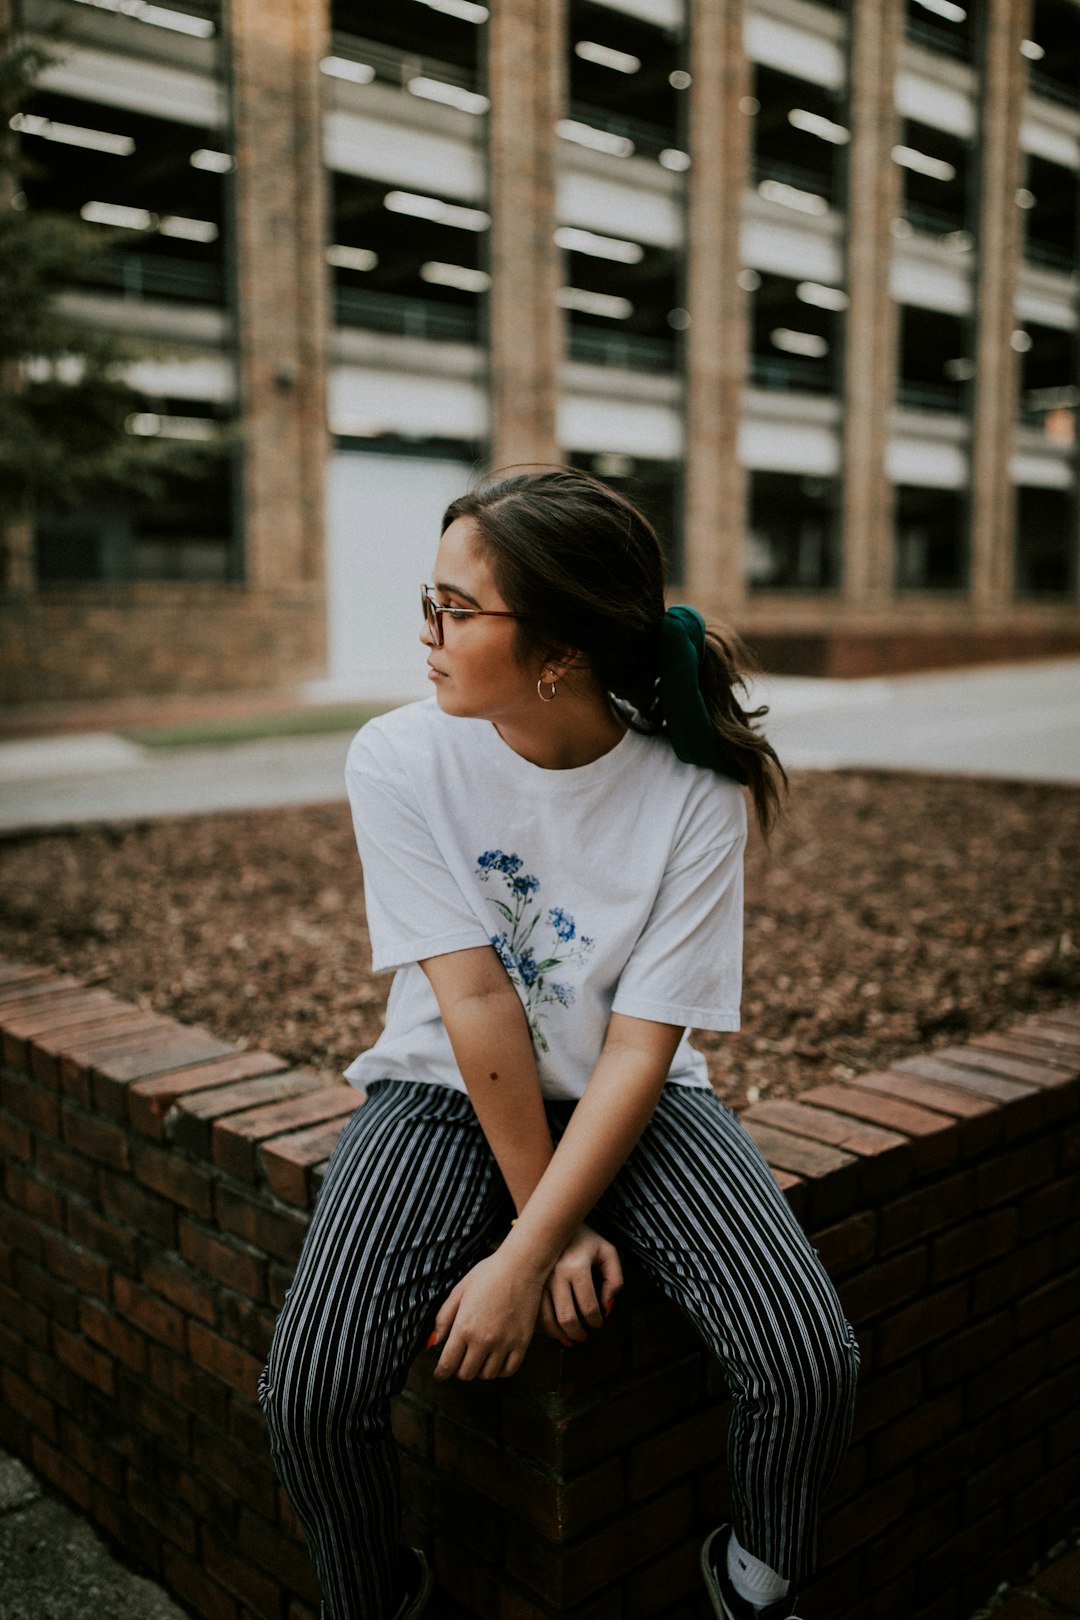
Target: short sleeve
column 686, row 966
column 415, row 908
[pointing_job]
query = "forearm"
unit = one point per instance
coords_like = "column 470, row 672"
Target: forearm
column 490, row 1039
column 603, row 1130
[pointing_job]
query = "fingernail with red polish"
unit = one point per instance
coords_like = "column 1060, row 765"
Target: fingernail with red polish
column 567, row 1344
column 433, row 1339
column 609, row 1307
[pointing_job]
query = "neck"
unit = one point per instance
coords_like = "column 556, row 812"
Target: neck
column 574, row 729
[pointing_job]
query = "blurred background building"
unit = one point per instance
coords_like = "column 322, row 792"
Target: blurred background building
column 800, row 276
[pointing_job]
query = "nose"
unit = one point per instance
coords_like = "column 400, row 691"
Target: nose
column 426, row 637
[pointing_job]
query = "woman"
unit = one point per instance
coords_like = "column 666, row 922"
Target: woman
column 552, row 853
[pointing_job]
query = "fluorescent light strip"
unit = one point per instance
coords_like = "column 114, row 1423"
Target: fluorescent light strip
column 450, row 95
column 351, row 258
column 463, row 10
column 342, row 67
column 213, row 162
column 814, row 124
column 671, row 158
column 594, row 303
column 922, row 163
column 807, row 344
column 606, row 56
column 118, row 214
column 94, row 140
column 812, row 292
column 945, row 9
column 151, row 425
column 188, row 230
column 434, row 209
column 597, row 140
column 598, row 247
column 804, row 202
column 1032, row 50
column 460, row 276
column 179, row 22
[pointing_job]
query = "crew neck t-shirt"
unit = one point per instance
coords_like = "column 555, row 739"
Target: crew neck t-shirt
column 614, row 886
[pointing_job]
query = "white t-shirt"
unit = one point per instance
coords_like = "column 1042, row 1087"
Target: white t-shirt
column 612, row 887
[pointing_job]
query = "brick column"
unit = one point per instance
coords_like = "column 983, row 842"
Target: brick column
column 716, row 347
column 281, row 279
column 526, row 84
column 16, row 538
column 1004, row 78
column 870, row 349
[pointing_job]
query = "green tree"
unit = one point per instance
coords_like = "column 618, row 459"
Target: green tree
column 64, row 400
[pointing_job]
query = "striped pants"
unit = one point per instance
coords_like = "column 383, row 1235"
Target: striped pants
column 413, row 1199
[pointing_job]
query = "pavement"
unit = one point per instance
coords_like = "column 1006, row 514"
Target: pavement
column 1018, row 722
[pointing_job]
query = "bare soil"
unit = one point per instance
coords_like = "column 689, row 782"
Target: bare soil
column 889, row 914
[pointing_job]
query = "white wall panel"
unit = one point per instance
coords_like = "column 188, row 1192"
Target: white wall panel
column 931, row 463
column 402, row 155
column 793, row 50
column 619, row 209
column 802, row 447
column 142, row 86
column 942, row 106
column 367, row 402
column 635, row 427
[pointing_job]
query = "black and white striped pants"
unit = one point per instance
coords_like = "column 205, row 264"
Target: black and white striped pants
column 413, row 1198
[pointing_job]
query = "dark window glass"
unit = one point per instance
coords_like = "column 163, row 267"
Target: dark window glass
column 792, row 536
column 935, row 170
column 1053, row 51
column 414, row 38
column 1048, row 395
column 642, row 102
column 796, row 341
column 424, row 276
column 153, row 193
column 654, row 486
column 941, row 25
column 1046, row 540
column 1051, row 215
column 935, row 363
column 799, row 135
column 931, row 551
column 623, row 314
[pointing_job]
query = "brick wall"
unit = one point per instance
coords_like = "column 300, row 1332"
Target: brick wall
column 157, row 1185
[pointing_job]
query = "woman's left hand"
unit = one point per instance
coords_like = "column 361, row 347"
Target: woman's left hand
column 487, row 1321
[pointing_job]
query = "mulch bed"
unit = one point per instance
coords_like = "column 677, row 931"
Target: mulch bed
column 889, row 914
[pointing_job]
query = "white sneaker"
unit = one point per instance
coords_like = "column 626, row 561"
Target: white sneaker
column 725, row 1600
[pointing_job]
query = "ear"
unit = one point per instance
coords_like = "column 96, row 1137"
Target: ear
column 561, row 662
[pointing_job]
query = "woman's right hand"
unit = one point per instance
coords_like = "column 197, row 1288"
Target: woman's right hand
column 572, row 1301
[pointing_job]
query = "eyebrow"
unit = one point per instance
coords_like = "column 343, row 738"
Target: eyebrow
column 455, row 590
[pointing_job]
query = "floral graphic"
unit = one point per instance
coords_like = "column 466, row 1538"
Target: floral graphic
column 522, row 913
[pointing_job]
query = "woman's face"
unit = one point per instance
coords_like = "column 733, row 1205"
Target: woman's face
column 475, row 672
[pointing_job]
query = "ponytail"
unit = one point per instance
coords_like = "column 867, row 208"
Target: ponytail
column 723, row 671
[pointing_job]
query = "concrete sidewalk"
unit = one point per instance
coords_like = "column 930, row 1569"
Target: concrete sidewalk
column 1017, row 722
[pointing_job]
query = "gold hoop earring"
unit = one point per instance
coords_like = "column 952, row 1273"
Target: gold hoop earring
column 540, row 690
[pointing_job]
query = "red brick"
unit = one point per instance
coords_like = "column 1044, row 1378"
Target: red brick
column 867, row 1517
column 1055, row 1205
column 150, row 1102
column 275, row 1232
column 63, row 1011
column 58, row 1300
column 244, row 1323
column 198, row 1112
column 16, row 1141
column 682, row 1450
column 180, row 1284
column 886, row 1157
column 226, row 1361
column 247, row 1476
column 167, row 1172
column 37, row 1199
column 233, row 1570
column 411, row 1423
column 91, row 1231
column 935, row 1134
column 18, row 978
column 106, row 1329
column 31, row 1103
column 60, row 1471
column 831, row 1176
column 996, row 1284
column 884, row 1286
column 848, row 1245
column 1044, row 1029
column 149, row 1312
column 175, row 1048
column 125, row 1525
column 916, row 1433
column 129, row 1205
column 195, row 1588
column 154, row 1413
column 38, row 1412
column 1010, row 1175
column 1047, row 1306
column 18, row 995
column 287, row 1162
column 97, row 1138
column 88, row 1453
column 225, row 1260
column 888, row 1396
column 979, row 1121
column 1039, row 1410
column 86, row 1362
column 958, row 1077
column 983, row 1356
column 1048, row 1498
column 30, row 1323
column 235, row 1140
column 988, row 1060
column 46, row 1048
column 962, row 1249
column 196, row 1390
column 920, row 1324
column 564, row 1578
column 926, row 1210
column 268, row 1549
column 1011, row 1044
column 65, row 1168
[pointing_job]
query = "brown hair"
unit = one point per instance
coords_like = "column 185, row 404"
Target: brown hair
column 586, row 567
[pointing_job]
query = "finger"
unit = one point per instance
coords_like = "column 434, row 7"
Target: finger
column 566, row 1311
column 444, row 1321
column 611, row 1273
column 453, row 1356
column 588, row 1305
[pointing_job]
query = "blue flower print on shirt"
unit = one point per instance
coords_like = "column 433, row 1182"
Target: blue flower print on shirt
column 518, row 954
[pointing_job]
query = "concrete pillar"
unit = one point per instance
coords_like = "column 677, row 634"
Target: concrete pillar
column 870, row 359
column 716, row 342
column 281, row 283
column 16, row 536
column 526, row 85
column 1003, row 83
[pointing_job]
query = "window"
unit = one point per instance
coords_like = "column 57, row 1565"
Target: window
column 935, row 167
column 930, row 539
column 935, row 365
column 1051, row 215
column 622, row 311
column 1053, row 51
column 796, row 332
column 799, row 139
column 417, row 39
column 653, row 486
column 943, row 25
column 628, row 78
column 792, row 534
column 1046, row 541
column 1048, row 396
